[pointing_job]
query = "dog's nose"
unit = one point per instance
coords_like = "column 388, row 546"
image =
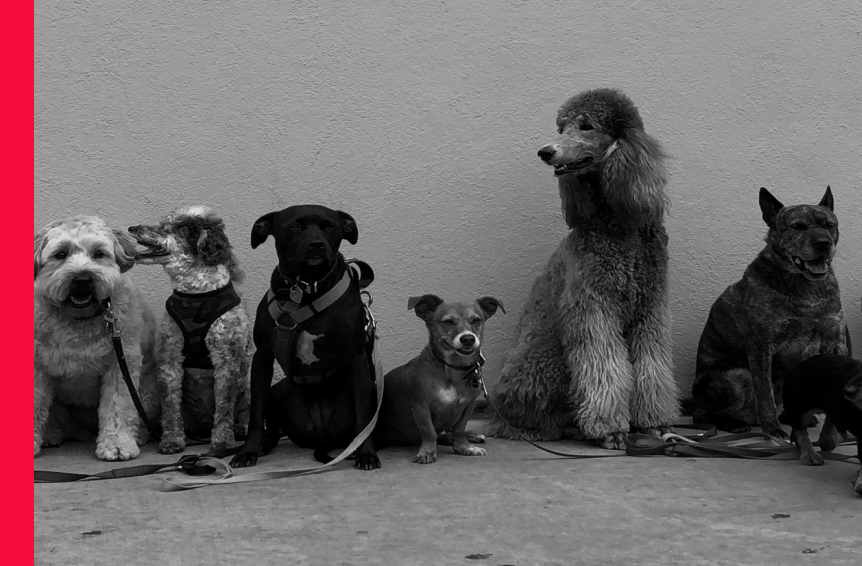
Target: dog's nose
column 316, row 246
column 546, row 153
column 82, row 280
column 822, row 243
column 468, row 340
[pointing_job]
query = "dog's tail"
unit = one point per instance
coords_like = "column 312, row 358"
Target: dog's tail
column 322, row 455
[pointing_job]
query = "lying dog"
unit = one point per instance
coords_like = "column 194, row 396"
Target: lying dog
column 204, row 333
column 435, row 392
column 328, row 394
column 79, row 279
column 785, row 309
column 833, row 385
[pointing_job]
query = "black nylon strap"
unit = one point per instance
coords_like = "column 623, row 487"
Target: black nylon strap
column 124, row 369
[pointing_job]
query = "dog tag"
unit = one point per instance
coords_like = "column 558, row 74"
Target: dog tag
column 474, row 383
column 296, row 294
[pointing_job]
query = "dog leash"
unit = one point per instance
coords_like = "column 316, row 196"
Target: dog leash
column 114, row 327
column 703, row 444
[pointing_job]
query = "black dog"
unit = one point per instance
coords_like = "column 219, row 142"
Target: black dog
column 328, row 395
column 832, row 384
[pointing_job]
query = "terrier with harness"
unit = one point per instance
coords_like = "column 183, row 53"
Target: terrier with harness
column 313, row 322
column 429, row 399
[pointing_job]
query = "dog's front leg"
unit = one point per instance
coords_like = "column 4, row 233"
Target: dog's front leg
column 43, row 396
column 118, row 418
column 171, row 376
column 365, row 402
column 835, row 341
column 227, row 350
column 857, row 483
column 601, row 373
column 807, row 455
column 261, row 381
column 460, row 443
column 428, row 449
column 655, row 400
column 760, row 361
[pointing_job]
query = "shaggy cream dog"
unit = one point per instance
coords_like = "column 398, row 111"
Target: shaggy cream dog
column 594, row 346
column 204, row 332
column 79, row 264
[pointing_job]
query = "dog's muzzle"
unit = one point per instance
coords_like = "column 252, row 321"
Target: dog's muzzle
column 153, row 247
column 815, row 268
column 82, row 291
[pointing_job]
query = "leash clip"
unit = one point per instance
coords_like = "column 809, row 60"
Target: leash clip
column 111, row 324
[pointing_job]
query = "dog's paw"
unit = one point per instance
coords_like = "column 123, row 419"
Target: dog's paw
column 613, row 441
column 37, row 447
column 774, row 430
column 366, row 461
column 117, row 447
column 475, row 437
column 425, row 456
column 53, row 437
column 470, row 450
column 172, row 444
column 857, row 484
column 244, row 460
column 654, row 431
column 810, row 458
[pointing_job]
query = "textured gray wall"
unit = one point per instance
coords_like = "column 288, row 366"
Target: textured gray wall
column 422, row 119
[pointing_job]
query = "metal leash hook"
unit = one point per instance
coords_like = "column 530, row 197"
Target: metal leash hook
column 112, row 324
column 370, row 322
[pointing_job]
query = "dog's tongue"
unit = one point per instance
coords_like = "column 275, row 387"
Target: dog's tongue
column 817, row 265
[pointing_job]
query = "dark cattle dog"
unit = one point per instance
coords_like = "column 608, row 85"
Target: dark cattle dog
column 833, row 385
column 328, row 394
column 785, row 309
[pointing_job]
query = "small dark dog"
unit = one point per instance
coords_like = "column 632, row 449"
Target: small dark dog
column 785, row 309
column 429, row 399
column 328, row 395
column 833, row 385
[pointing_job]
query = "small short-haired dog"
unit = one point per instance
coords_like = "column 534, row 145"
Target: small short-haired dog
column 204, row 333
column 429, row 399
column 80, row 273
column 785, row 309
column 833, row 385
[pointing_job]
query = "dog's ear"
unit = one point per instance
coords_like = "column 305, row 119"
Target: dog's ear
column 39, row 242
column 489, row 306
column 124, row 250
column 424, row 305
column 261, row 230
column 634, row 176
column 213, row 247
column 827, row 199
column 349, row 231
column 769, row 206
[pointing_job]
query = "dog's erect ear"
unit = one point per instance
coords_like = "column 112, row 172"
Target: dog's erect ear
column 212, row 247
column 827, row 199
column 261, row 230
column 349, row 231
column 769, row 206
column 634, row 176
column 124, row 250
column 489, row 306
column 424, row 305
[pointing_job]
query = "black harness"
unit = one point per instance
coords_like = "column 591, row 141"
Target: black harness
column 195, row 313
column 291, row 318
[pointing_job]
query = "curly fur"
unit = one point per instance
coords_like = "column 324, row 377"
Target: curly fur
column 593, row 346
column 74, row 364
column 194, row 250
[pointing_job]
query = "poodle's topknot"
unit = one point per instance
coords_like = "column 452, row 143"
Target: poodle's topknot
column 608, row 109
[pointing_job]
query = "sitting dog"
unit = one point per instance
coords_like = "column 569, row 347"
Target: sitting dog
column 80, row 279
column 786, row 308
column 594, row 344
column 204, row 333
column 833, row 385
column 435, row 392
column 312, row 321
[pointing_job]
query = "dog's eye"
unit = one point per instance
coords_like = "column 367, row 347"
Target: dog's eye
column 329, row 226
column 585, row 126
column 799, row 226
column 294, row 227
column 60, row 255
column 829, row 225
column 447, row 322
column 475, row 321
column 98, row 254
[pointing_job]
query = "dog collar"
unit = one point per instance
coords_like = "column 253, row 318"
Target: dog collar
column 291, row 311
column 475, row 369
column 298, row 287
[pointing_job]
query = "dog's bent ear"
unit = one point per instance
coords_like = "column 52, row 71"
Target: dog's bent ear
column 424, row 305
column 39, row 242
column 489, row 306
column 349, row 231
column 827, row 199
column 634, row 176
column 769, row 206
column 213, row 247
column 124, row 250
column 261, row 230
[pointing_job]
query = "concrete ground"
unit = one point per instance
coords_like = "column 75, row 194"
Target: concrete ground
column 517, row 506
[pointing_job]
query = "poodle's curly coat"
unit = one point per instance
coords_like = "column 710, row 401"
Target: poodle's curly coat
column 593, row 343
